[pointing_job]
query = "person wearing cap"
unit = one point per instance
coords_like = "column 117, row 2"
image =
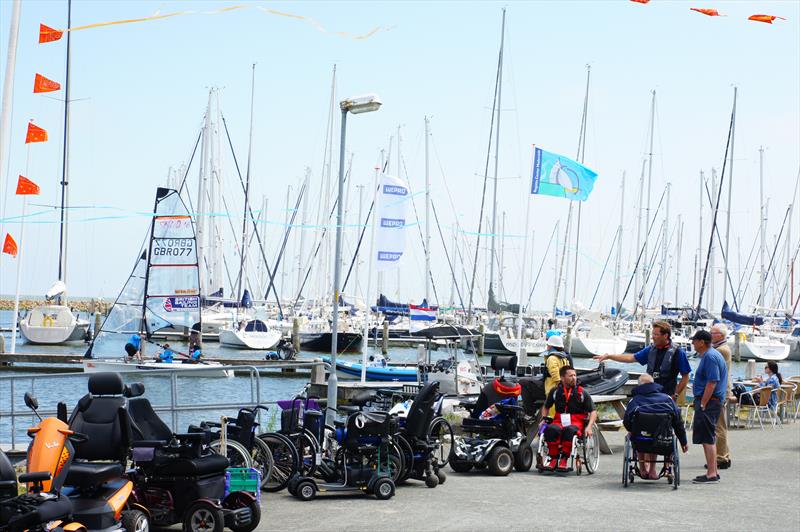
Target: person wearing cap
column 709, row 389
column 554, row 359
column 719, row 341
column 664, row 360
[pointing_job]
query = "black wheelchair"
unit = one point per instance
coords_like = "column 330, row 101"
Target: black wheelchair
column 499, row 443
column 364, row 459
column 652, row 433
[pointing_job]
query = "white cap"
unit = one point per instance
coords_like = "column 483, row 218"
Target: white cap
column 555, row 341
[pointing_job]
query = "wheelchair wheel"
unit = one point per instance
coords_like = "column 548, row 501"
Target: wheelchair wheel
column 408, row 457
column 395, row 462
column 262, row 459
column 307, row 449
column 237, row 454
column 441, row 433
column 286, row 462
column 676, row 465
column 626, row 462
column 591, row 452
column 202, row 516
column 523, row 458
column 500, row 461
column 458, row 465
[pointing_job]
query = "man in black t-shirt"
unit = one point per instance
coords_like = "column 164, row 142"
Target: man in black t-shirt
column 574, row 415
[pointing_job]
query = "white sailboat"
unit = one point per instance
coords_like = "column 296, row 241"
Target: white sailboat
column 162, row 294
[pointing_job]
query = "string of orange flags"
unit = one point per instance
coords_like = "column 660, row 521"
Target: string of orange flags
column 769, row 19
column 48, row 34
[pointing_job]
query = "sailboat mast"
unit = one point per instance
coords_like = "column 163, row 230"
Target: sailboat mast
column 649, row 186
column 700, row 226
column 618, row 272
column 763, row 225
column 8, row 86
column 243, row 251
column 636, row 277
column 301, row 251
column 202, row 197
column 427, row 215
column 678, row 260
column 580, row 157
column 730, row 197
column 496, row 154
column 62, row 237
column 664, row 250
column 712, row 254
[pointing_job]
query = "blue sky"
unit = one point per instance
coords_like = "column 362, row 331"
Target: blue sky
column 141, row 91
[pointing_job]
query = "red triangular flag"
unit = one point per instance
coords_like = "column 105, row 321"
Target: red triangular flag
column 35, row 134
column 764, row 18
column 26, row 187
column 709, row 12
column 48, row 34
column 10, row 246
column 42, row 84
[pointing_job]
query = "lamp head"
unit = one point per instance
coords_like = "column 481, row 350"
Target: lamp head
column 361, row 104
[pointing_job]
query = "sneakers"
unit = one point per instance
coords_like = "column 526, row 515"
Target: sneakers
column 563, row 466
column 702, row 479
column 550, row 463
column 724, row 465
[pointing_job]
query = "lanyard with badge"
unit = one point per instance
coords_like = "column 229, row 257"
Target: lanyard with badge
column 566, row 418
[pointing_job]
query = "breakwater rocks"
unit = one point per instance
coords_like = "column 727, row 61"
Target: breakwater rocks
column 88, row 305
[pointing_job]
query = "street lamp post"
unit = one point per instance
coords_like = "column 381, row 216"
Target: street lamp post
column 361, row 104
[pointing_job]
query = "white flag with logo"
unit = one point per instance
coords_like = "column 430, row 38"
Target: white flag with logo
column 390, row 234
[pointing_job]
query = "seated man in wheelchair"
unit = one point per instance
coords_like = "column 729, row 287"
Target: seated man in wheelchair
column 575, row 415
column 648, row 398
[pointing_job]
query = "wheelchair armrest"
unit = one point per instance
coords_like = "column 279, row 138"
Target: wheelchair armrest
column 39, row 476
column 191, row 436
column 469, row 405
column 349, row 409
column 149, row 443
column 210, row 424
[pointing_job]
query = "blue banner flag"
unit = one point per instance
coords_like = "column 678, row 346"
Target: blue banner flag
column 555, row 175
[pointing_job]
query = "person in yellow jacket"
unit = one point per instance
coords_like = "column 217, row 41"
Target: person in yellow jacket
column 554, row 359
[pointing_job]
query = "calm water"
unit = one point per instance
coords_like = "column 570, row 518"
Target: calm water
column 229, row 392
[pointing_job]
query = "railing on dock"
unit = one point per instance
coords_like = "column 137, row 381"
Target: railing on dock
column 11, row 412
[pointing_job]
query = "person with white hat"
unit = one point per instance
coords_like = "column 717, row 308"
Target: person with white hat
column 554, row 359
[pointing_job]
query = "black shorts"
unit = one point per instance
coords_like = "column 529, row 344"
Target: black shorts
column 130, row 349
column 704, row 427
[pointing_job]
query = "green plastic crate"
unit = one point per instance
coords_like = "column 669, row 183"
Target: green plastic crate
column 243, row 479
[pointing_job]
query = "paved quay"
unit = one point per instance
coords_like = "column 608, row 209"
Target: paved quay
column 760, row 492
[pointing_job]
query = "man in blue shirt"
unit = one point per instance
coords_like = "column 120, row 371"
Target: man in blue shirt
column 134, row 346
column 709, row 388
column 664, row 360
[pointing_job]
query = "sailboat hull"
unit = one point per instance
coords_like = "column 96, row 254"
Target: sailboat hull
column 52, row 325
column 249, row 339
column 209, row 369
column 321, row 342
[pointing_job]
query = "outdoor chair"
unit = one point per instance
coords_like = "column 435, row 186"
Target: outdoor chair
column 756, row 403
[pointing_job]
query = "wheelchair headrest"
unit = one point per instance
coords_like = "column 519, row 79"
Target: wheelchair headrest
column 362, row 398
column 106, row 383
column 134, row 389
column 504, row 362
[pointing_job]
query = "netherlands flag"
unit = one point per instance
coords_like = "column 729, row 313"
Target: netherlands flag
column 420, row 317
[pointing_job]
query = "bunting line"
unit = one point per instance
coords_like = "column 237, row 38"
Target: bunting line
column 54, row 34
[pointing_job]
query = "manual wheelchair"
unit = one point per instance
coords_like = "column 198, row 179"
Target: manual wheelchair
column 652, row 433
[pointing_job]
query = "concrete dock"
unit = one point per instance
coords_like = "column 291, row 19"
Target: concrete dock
column 759, row 492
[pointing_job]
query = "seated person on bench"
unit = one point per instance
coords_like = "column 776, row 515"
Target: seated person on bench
column 574, row 415
column 649, row 398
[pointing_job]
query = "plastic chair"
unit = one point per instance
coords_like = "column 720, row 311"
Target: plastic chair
column 686, row 405
column 786, row 400
column 756, row 405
